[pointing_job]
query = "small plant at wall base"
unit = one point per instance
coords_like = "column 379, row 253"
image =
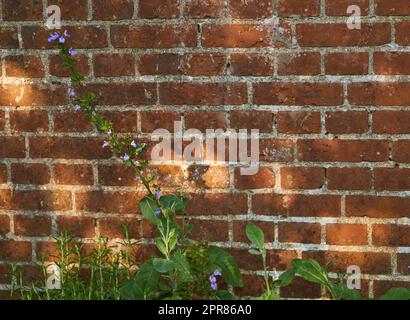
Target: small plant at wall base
column 185, row 269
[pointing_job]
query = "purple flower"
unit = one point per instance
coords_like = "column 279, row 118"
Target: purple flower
column 157, row 212
column 71, row 92
column 214, row 286
column 72, row 52
column 105, row 144
column 133, row 144
column 126, row 157
column 66, row 34
column 213, row 280
column 158, row 194
column 217, row 273
column 61, row 40
column 137, row 178
column 54, row 36
column 76, row 107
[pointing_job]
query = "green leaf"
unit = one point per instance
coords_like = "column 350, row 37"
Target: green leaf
column 255, row 235
column 148, row 207
column 229, row 268
column 182, row 266
column 342, row 292
column 144, row 284
column 286, row 278
column 161, row 246
column 311, row 271
column 162, row 265
column 172, row 202
column 254, row 252
column 396, row 294
column 224, row 295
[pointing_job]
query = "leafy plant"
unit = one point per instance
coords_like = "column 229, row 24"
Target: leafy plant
column 169, row 276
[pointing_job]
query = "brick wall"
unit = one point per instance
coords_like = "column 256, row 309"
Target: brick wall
column 331, row 105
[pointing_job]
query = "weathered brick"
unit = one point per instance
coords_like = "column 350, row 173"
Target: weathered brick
column 346, row 234
column 301, row 63
column 15, row 250
column 251, row 9
column 153, row 36
column 251, row 64
column 9, row 38
column 391, row 122
column 73, row 174
column 379, row 93
column 24, row 66
column 113, row 65
column 343, row 150
column 239, row 230
column 392, row 63
column 29, row 121
column 211, row 230
column 392, row 8
column 377, row 206
column 112, row 9
column 297, row 205
column 345, row 122
column 391, row 235
column 83, row 227
column 22, row 10
column 347, row 63
column 159, row 64
column 298, row 8
column 12, row 147
column 302, row 177
column 114, row 227
column 208, row 177
column 280, row 93
column 4, row 225
column 3, row 173
column 396, row 179
column 158, row 9
column 297, row 232
column 339, row 7
column 204, row 8
column 56, row 67
column 32, row 226
column 251, row 119
column 204, row 64
column 203, row 120
column 349, row 178
column 71, row 9
column 264, row 178
column 402, row 33
column 298, row 122
column 157, row 119
column 276, row 150
column 217, row 204
column 30, row 173
column 401, row 151
column 32, row 95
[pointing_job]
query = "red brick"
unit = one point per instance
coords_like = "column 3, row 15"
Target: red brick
column 9, row 38
column 72, row 121
column 2, row 120
column 338, row 35
column 298, row 8
column 391, row 122
column 217, row 204
column 73, row 174
column 81, row 37
column 339, row 7
column 302, row 177
column 204, row 8
column 403, row 263
column 203, row 93
column 297, row 232
column 12, row 147
column 208, row 177
column 280, row 93
column 4, row 225
column 380, row 287
column 235, row 35
column 159, row 64
column 251, row 64
column 204, row 64
column 30, row 173
column 395, row 179
column 347, row 63
column 300, row 288
column 392, row 8
column 211, row 230
column 264, row 178
column 402, row 33
column 346, row 234
column 297, row 205
column 32, row 226
column 277, row 259
column 83, row 227
column 15, row 251
column 239, row 230
column 113, row 65
column 3, row 173
column 112, row 9
column 401, row 151
column 251, row 9
column 378, row 206
column 301, row 63
column 67, row 148
column 368, row 262
column 112, row 228
column 276, row 150
column 71, row 9
column 392, row 63
column 298, row 122
column 157, row 119
column 29, row 120
column 379, row 93
column 391, row 235
column 153, row 36
column 158, row 9
column 136, row 93
column 57, row 69
column 108, row 201
column 343, row 150
column 251, row 119
column 203, row 120
column 24, row 66
column 41, row 200
column 32, row 95
column 22, row 10
column 349, row 178
column 345, row 122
